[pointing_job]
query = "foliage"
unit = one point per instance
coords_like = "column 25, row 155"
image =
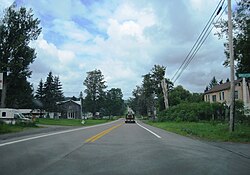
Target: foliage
column 194, row 112
column 114, row 104
column 215, row 131
column 149, row 95
column 17, row 28
column 95, row 86
column 203, row 111
column 179, row 95
column 241, row 34
column 50, row 93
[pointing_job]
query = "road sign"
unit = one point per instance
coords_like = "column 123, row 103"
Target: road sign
column 247, row 75
column 1, row 80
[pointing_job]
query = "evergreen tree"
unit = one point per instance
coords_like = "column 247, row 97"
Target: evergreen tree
column 49, row 89
column 58, row 89
column 213, row 83
column 17, row 28
column 40, row 95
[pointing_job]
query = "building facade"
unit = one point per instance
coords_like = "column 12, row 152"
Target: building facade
column 70, row 109
column 221, row 93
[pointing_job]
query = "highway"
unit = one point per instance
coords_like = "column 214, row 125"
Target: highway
column 117, row 148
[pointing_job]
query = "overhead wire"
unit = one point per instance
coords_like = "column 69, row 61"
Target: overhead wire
column 200, row 40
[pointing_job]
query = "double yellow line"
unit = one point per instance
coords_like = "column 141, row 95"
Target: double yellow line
column 101, row 134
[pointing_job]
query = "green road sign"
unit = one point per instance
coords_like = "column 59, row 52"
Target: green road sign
column 247, row 75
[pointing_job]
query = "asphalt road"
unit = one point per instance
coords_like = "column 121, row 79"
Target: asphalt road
column 119, row 148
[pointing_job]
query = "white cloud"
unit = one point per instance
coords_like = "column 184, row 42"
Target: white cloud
column 124, row 39
column 70, row 30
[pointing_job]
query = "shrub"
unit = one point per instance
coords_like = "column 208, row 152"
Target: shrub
column 193, row 112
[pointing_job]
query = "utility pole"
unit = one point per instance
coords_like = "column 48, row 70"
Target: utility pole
column 231, row 53
column 165, row 92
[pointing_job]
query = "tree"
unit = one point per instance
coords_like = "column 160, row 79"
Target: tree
column 40, row 94
column 95, row 95
column 178, row 95
column 114, row 102
column 17, row 28
column 213, row 83
column 49, row 90
column 241, row 34
column 20, row 93
column 58, row 89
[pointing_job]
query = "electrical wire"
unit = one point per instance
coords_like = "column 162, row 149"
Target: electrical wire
column 198, row 42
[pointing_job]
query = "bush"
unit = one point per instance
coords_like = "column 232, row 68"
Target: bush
column 193, row 112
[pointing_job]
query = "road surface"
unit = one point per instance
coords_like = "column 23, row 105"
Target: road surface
column 118, row 148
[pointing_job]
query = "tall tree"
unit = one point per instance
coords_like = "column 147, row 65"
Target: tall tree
column 40, row 93
column 114, row 102
column 17, row 28
column 58, row 89
column 241, row 34
column 95, row 86
column 49, row 89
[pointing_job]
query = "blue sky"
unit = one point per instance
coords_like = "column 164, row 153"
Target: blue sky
column 124, row 39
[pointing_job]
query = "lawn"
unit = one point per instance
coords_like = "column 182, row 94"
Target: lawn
column 70, row 122
column 5, row 128
column 213, row 131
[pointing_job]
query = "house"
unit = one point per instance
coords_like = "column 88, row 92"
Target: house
column 70, row 109
column 221, row 93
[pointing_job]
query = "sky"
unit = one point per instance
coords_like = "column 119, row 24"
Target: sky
column 124, row 39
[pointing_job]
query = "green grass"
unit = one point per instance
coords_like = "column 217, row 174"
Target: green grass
column 6, row 128
column 69, row 122
column 206, row 130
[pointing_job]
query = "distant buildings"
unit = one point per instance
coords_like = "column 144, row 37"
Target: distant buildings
column 221, row 93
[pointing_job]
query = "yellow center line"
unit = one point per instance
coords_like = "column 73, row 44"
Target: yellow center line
column 101, row 134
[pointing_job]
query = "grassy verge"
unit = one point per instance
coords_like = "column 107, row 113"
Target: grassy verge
column 70, row 122
column 5, row 128
column 206, row 130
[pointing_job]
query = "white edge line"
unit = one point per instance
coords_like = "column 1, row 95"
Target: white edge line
column 148, row 130
column 55, row 133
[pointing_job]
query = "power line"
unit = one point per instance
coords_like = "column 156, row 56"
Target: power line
column 198, row 48
column 198, row 42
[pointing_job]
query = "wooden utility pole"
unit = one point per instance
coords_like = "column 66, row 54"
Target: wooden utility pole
column 232, row 86
column 165, row 92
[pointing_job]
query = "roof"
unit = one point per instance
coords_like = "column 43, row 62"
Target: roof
column 66, row 101
column 221, row 87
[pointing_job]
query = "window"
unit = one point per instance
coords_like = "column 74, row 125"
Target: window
column 220, row 95
column 236, row 95
column 3, row 114
column 214, row 98
column 223, row 96
column 208, row 97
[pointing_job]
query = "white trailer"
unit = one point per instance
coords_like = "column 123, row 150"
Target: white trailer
column 11, row 116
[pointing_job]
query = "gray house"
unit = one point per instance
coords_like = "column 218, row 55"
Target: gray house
column 70, row 109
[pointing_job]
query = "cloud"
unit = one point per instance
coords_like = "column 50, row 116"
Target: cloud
column 124, row 39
